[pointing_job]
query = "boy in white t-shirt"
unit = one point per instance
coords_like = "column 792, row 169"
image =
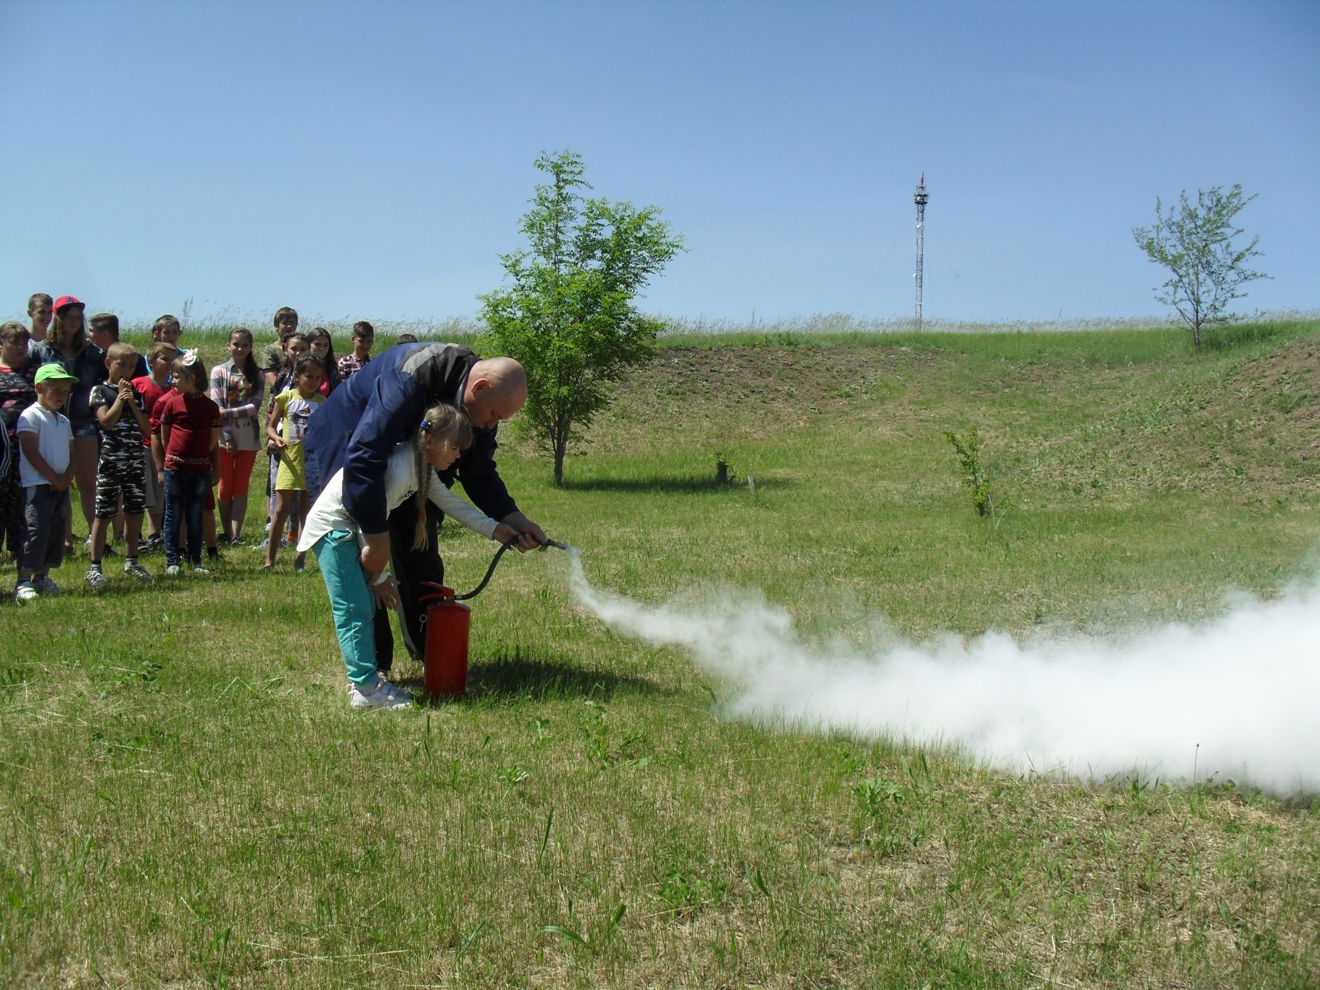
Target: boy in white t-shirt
column 45, row 471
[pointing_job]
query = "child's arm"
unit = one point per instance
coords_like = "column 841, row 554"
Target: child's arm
column 272, row 424
column 108, row 414
column 29, row 445
column 140, row 414
column 461, row 512
column 215, row 455
column 158, row 456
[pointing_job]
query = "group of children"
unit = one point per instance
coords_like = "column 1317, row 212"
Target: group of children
column 161, row 432
column 147, row 437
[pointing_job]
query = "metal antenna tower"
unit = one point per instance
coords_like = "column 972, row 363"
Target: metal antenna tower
column 920, row 200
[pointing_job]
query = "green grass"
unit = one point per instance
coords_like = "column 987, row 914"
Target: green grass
column 187, row 800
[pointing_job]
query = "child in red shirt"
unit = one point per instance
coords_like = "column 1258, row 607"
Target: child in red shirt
column 190, row 436
column 152, row 388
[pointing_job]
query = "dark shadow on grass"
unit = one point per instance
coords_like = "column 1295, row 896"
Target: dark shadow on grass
column 666, row 486
column 505, row 678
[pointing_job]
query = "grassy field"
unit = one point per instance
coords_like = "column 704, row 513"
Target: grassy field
column 188, row 802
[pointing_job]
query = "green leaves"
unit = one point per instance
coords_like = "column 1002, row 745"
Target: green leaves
column 1195, row 242
column 568, row 311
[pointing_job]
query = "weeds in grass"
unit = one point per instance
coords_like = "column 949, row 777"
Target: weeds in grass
column 975, row 478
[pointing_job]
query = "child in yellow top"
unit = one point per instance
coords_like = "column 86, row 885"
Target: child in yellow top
column 293, row 407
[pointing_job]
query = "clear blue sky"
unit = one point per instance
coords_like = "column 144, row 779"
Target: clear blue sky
column 372, row 160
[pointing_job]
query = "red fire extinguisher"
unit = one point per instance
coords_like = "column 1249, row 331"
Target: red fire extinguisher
column 448, row 623
column 446, row 661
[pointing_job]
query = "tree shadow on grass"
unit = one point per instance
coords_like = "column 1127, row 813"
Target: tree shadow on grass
column 503, row 679
column 658, row 485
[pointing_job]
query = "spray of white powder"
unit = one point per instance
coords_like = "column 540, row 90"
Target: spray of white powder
column 1237, row 696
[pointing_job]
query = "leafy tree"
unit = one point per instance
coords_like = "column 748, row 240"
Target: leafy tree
column 568, row 315
column 1195, row 242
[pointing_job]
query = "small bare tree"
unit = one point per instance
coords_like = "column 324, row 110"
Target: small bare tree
column 1195, row 243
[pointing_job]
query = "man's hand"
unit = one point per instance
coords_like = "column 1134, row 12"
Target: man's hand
column 530, row 536
column 62, row 481
column 503, row 534
column 375, row 555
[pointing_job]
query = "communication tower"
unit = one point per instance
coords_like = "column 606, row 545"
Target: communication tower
column 920, row 200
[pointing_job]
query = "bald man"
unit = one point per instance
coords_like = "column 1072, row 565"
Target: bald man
column 381, row 406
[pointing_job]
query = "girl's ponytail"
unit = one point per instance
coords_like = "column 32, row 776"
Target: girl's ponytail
column 442, row 423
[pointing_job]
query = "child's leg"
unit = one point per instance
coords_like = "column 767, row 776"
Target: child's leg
column 244, row 461
column 224, row 492
column 304, row 507
column 86, row 454
column 39, row 519
column 208, row 521
column 133, row 499
column 173, row 517
column 100, row 529
column 6, row 514
column 56, row 504
column 155, row 495
column 197, row 487
column 106, row 507
column 283, row 500
column 132, row 533
column 351, row 603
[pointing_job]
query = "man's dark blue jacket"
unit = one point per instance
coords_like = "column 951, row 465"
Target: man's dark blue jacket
column 382, row 405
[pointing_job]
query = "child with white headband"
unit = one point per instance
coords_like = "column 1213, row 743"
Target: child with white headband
column 190, row 435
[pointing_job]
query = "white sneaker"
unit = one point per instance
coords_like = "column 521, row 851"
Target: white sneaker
column 45, row 585
column 382, row 694
column 199, row 569
column 96, row 580
column 138, row 571
column 172, row 570
column 25, row 593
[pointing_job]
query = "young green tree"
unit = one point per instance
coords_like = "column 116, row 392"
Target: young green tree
column 568, row 313
column 1195, row 243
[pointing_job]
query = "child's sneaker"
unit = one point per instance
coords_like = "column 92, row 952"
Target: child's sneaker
column 172, row 570
column 25, row 593
column 199, row 569
column 382, row 694
column 133, row 569
column 45, row 585
column 95, row 579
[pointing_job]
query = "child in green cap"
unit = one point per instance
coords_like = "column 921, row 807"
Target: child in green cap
column 45, row 471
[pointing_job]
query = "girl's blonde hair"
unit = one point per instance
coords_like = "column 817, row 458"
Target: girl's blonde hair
column 443, row 424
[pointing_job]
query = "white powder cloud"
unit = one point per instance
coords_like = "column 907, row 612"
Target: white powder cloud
column 1237, row 696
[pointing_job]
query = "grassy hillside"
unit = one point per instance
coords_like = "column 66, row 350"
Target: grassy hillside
column 188, row 802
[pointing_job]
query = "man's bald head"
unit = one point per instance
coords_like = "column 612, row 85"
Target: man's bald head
column 496, row 390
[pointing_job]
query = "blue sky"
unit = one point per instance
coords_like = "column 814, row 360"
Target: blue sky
column 372, row 160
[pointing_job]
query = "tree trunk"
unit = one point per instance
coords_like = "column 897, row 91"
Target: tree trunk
column 561, row 445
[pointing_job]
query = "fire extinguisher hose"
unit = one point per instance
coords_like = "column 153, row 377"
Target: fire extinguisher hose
column 442, row 597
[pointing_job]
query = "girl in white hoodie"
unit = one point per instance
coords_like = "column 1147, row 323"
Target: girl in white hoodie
column 333, row 535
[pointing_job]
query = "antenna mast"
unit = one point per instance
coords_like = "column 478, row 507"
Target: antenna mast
column 920, row 200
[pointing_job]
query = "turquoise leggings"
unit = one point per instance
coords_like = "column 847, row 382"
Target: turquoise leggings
column 351, row 602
